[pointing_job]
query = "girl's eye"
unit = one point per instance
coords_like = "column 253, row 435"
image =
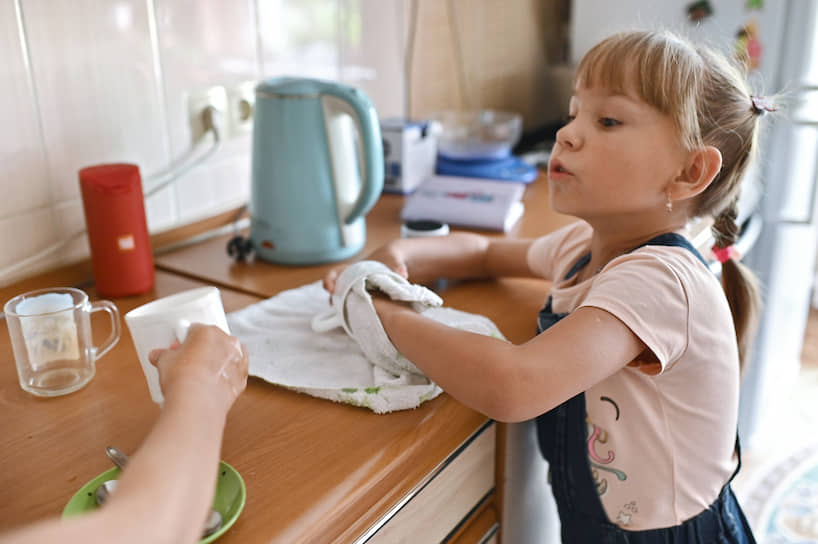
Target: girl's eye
column 567, row 119
column 608, row 122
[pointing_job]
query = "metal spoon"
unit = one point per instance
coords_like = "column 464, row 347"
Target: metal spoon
column 214, row 520
column 104, row 490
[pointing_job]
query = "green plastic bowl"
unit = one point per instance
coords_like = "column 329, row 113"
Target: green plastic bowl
column 228, row 501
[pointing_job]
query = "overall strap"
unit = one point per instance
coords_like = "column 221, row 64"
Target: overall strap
column 668, row 239
column 578, row 265
column 547, row 317
column 673, row 239
column 738, row 456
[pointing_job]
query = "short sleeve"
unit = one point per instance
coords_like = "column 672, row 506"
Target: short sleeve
column 548, row 254
column 647, row 295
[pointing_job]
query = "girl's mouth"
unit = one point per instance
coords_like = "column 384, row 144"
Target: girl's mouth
column 555, row 168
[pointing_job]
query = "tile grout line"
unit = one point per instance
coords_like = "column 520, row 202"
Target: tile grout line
column 259, row 45
column 161, row 88
column 22, row 33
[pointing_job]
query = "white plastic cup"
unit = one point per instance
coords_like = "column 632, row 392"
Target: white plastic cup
column 159, row 323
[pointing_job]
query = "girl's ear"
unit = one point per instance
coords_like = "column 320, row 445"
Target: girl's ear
column 700, row 171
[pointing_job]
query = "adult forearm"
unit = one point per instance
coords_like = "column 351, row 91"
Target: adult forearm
column 178, row 462
column 162, row 497
column 165, row 492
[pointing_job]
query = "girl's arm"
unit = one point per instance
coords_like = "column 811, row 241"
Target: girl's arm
column 165, row 494
column 457, row 256
column 510, row 382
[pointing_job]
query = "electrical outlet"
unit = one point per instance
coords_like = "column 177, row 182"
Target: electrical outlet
column 197, row 103
column 241, row 101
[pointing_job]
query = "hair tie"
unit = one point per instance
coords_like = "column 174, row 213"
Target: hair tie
column 724, row 254
column 762, row 104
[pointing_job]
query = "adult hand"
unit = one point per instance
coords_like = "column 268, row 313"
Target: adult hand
column 389, row 254
column 208, row 362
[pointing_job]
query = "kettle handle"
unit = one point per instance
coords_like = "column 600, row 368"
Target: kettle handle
column 370, row 132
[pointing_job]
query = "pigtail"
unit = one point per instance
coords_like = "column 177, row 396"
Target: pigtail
column 738, row 281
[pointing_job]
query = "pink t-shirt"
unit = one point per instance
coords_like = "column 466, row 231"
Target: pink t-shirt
column 660, row 446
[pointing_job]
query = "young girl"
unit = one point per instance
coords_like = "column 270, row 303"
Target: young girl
column 634, row 375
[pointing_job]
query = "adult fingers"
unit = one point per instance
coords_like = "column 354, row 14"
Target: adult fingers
column 155, row 355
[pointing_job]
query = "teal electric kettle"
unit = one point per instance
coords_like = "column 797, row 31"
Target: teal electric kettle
column 312, row 179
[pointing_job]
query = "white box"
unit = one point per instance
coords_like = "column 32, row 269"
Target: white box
column 467, row 202
column 409, row 154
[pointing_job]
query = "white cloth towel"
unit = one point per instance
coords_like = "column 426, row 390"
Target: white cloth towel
column 286, row 351
column 353, row 310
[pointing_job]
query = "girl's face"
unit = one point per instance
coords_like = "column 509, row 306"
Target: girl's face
column 616, row 155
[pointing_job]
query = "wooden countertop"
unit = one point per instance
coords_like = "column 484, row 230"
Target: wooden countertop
column 208, row 261
column 315, row 471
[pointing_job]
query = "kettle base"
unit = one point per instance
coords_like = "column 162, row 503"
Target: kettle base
column 300, row 258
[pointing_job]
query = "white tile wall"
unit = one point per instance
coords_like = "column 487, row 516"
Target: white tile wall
column 372, row 55
column 22, row 164
column 96, row 86
column 69, row 219
column 205, row 43
column 299, row 37
column 23, row 235
column 94, row 81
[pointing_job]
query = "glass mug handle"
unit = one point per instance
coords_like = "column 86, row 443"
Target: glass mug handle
column 113, row 313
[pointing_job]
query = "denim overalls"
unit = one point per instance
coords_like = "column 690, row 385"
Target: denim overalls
column 562, row 438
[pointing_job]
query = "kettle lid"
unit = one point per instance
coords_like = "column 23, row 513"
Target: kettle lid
column 293, row 86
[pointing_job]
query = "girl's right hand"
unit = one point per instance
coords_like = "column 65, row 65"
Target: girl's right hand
column 389, row 254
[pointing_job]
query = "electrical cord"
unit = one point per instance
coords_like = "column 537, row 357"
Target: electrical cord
column 9, row 270
column 167, row 178
column 239, row 242
column 458, row 53
column 164, row 179
column 409, row 53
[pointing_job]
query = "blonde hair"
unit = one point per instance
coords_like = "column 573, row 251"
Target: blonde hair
column 709, row 101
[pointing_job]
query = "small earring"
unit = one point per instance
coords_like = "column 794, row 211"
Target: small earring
column 669, row 204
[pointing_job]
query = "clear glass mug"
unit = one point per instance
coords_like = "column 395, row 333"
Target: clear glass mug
column 50, row 332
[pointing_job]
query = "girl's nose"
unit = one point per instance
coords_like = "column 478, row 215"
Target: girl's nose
column 568, row 136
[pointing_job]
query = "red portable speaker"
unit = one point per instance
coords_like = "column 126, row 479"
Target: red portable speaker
column 117, row 230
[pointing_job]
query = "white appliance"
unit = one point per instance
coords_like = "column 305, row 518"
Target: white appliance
column 780, row 191
column 784, row 257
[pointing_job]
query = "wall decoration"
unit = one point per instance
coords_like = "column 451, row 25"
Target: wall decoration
column 748, row 46
column 698, row 11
